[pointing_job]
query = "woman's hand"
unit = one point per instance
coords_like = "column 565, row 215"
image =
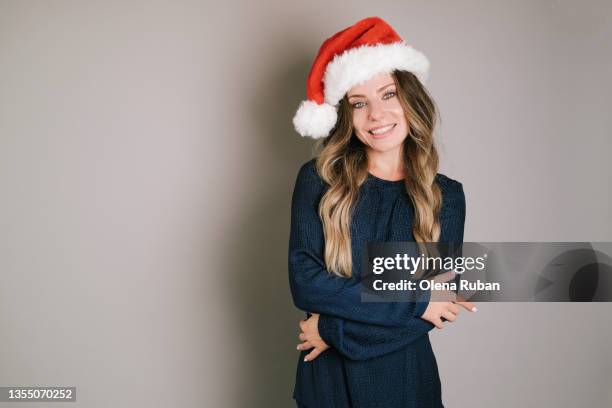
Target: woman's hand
column 448, row 310
column 436, row 311
column 310, row 336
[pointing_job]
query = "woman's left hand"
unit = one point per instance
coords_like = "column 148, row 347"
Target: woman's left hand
column 310, row 337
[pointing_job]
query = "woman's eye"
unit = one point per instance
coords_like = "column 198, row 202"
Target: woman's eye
column 389, row 95
column 358, row 105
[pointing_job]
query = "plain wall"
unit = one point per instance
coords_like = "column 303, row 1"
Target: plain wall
column 147, row 160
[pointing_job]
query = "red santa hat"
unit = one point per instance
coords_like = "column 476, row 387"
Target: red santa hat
column 348, row 58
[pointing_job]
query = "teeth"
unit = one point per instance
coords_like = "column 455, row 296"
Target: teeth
column 381, row 130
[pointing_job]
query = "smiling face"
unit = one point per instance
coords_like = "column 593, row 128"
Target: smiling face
column 379, row 120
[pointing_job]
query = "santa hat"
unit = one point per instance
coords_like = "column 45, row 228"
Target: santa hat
column 348, row 58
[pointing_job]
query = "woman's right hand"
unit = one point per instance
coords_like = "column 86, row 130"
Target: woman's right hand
column 448, row 310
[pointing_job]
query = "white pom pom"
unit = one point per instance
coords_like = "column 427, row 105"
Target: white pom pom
column 314, row 120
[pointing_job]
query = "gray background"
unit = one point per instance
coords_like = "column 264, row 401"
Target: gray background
column 147, row 160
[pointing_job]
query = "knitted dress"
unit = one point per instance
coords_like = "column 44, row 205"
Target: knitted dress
column 380, row 355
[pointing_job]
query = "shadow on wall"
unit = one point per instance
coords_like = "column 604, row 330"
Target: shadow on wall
column 267, row 318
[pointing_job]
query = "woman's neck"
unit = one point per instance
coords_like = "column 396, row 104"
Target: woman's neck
column 387, row 165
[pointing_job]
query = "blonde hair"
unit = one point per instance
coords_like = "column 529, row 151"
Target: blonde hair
column 342, row 163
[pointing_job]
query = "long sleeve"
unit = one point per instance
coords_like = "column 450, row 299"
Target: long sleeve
column 313, row 287
column 360, row 341
column 452, row 217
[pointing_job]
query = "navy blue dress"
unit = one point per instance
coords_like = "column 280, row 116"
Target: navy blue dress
column 380, row 355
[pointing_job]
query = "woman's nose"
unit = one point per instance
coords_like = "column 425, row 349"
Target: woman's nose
column 376, row 111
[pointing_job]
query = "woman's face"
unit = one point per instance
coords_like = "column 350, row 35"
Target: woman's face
column 378, row 118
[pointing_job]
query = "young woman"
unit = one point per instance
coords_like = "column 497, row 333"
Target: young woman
column 374, row 179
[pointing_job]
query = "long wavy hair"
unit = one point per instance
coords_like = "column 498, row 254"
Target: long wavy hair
column 342, row 163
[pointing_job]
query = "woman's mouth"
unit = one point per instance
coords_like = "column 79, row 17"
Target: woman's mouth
column 382, row 131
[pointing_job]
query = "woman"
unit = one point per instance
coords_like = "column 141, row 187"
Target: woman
column 374, row 180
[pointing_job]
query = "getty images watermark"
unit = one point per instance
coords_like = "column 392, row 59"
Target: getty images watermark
column 413, row 264
column 487, row 271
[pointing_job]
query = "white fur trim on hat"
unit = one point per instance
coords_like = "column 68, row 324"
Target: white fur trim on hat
column 359, row 64
column 314, row 120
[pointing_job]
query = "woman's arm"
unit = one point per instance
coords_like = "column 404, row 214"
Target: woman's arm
column 361, row 341
column 313, row 287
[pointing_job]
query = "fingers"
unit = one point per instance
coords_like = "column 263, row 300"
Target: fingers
column 302, row 336
column 446, row 312
column 451, row 317
column 447, row 316
column 313, row 354
column 438, row 323
column 304, row 346
column 467, row 305
column 454, row 308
